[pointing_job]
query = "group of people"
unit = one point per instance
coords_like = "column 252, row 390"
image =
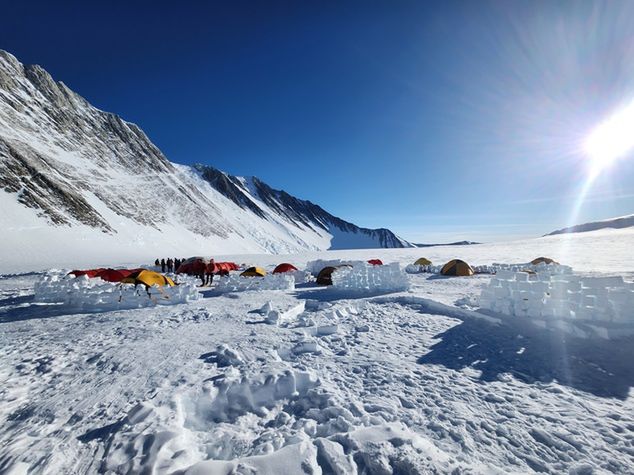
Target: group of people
column 206, row 273
column 169, row 264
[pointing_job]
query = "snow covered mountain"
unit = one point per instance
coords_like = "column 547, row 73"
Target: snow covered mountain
column 78, row 181
column 613, row 223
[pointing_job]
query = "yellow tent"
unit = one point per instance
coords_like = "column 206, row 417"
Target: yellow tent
column 544, row 260
column 148, row 278
column 457, row 267
column 422, row 262
column 254, row 272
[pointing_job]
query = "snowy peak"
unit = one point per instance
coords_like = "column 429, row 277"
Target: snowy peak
column 612, row 223
column 253, row 194
column 70, row 169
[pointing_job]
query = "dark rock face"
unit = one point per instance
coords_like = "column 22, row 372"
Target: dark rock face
column 77, row 165
column 28, row 174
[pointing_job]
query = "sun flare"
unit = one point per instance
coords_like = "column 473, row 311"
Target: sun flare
column 611, row 140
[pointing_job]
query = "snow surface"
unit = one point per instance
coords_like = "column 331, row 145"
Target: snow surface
column 308, row 380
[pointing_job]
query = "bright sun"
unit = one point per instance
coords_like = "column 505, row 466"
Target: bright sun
column 611, row 140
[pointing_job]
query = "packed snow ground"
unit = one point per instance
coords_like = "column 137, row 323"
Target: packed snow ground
column 314, row 380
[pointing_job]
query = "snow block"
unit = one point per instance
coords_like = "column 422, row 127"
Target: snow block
column 237, row 283
column 368, row 278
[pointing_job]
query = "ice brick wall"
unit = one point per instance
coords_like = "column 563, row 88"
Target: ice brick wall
column 96, row 295
column 555, row 293
column 237, row 283
column 364, row 277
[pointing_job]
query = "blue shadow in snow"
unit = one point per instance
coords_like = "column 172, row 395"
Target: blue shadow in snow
column 600, row 367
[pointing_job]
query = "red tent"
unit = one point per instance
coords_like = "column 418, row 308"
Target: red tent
column 193, row 266
column 375, row 262
column 90, row 272
column 223, row 268
column 227, row 266
column 111, row 275
column 116, row 275
column 284, row 267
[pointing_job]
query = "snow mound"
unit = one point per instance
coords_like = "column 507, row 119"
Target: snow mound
column 366, row 278
column 279, row 317
column 229, row 398
column 82, row 294
column 560, row 297
column 236, row 283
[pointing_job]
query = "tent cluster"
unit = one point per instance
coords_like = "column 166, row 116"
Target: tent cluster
column 454, row 267
column 260, row 272
column 457, row 267
column 197, row 265
column 127, row 276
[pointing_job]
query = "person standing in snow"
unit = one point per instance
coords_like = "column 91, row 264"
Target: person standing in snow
column 170, row 264
column 177, row 263
column 163, row 266
column 157, row 263
column 209, row 273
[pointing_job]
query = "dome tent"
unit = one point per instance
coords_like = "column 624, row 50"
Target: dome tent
column 114, row 275
column 148, row 278
column 422, row 261
column 284, row 267
column 325, row 275
column 456, row 267
column 254, row 272
column 193, row 266
column 543, row 260
column 90, row 272
column 375, row 262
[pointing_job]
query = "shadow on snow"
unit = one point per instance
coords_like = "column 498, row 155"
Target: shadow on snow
column 601, row 367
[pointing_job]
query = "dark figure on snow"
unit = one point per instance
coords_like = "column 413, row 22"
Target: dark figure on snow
column 170, row 264
column 163, row 266
column 177, row 263
column 209, row 273
column 157, row 263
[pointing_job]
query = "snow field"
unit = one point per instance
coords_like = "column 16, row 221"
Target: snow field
column 396, row 384
column 83, row 294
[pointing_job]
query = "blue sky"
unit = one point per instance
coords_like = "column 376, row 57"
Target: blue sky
column 441, row 121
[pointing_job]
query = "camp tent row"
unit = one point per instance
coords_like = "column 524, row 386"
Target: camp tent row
column 197, row 265
column 457, row 267
column 260, row 272
column 127, row 276
column 454, row 267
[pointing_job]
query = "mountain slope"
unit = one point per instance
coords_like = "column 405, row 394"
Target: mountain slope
column 77, row 182
column 613, row 223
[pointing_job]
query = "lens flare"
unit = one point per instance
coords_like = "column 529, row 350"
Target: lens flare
column 611, row 140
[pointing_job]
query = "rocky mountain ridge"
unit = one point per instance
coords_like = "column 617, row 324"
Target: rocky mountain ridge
column 73, row 168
